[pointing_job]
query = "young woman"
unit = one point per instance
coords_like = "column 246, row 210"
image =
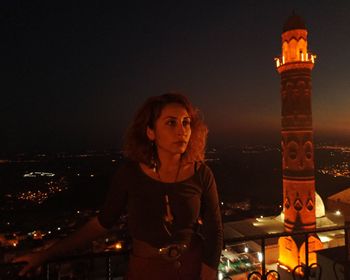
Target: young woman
column 170, row 195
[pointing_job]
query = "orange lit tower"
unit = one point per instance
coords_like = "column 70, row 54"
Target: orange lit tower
column 295, row 66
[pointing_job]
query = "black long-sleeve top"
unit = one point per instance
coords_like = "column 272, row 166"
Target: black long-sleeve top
column 144, row 198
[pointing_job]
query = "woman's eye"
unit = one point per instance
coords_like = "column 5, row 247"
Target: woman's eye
column 171, row 123
column 186, row 123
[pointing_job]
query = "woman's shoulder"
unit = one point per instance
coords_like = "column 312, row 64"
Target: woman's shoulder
column 203, row 172
column 201, row 166
column 126, row 168
column 124, row 174
column 205, row 176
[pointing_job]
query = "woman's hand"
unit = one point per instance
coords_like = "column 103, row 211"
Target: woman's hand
column 33, row 262
column 89, row 232
column 208, row 273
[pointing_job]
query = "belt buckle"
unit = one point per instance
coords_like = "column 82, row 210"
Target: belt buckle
column 172, row 252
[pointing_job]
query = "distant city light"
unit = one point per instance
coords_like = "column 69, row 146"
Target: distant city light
column 38, row 196
column 35, row 174
column 118, row 245
column 58, row 228
column 324, row 238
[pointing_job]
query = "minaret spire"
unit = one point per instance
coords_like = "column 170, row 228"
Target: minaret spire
column 295, row 65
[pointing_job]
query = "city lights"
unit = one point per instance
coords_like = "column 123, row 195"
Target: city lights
column 36, row 174
column 118, row 246
column 39, row 196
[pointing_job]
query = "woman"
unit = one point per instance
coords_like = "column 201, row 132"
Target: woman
column 170, row 194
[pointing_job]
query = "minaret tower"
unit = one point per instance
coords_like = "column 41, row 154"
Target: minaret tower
column 295, row 66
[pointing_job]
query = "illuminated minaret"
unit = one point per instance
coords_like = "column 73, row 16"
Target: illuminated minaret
column 295, row 66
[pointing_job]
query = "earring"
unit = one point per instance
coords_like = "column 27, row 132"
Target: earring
column 154, row 164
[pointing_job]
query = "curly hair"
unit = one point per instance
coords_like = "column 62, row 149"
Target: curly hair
column 137, row 145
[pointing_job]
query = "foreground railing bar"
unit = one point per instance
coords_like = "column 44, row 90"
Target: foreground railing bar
column 47, row 271
column 347, row 251
column 108, row 268
column 263, row 262
column 89, row 256
column 280, row 234
column 307, row 269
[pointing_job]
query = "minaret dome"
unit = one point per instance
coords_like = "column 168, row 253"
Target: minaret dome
column 294, row 22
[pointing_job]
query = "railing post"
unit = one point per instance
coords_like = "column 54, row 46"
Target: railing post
column 306, row 256
column 263, row 263
column 46, row 272
column 91, row 268
column 347, row 247
column 108, row 268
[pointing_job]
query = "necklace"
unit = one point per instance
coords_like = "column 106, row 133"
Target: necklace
column 168, row 218
column 176, row 175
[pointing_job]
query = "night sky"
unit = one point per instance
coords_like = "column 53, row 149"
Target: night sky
column 73, row 74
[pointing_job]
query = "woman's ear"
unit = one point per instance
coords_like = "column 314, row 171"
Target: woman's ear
column 150, row 134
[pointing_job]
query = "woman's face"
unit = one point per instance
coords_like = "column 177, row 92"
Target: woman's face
column 172, row 130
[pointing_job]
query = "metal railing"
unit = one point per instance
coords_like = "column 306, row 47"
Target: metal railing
column 305, row 271
column 50, row 270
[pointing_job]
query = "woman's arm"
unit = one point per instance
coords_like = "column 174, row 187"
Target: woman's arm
column 208, row 273
column 212, row 225
column 89, row 232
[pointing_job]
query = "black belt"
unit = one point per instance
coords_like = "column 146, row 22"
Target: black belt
column 170, row 252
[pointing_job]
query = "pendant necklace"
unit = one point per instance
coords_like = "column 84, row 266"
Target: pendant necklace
column 168, row 218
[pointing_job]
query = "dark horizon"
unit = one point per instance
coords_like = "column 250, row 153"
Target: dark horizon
column 74, row 75
column 220, row 146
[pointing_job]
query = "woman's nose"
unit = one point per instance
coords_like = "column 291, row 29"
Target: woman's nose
column 180, row 129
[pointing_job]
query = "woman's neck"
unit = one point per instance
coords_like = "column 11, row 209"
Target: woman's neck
column 169, row 162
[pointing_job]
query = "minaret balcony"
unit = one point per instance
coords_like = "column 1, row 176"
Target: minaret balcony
column 305, row 58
